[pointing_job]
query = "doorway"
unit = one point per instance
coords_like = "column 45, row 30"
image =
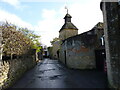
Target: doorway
column 100, row 60
column 58, row 54
column 65, row 58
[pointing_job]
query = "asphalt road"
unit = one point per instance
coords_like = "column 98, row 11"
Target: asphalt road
column 53, row 74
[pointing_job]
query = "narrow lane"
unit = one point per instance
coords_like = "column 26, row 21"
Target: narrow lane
column 53, row 74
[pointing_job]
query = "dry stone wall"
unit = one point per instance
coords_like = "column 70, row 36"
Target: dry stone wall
column 12, row 70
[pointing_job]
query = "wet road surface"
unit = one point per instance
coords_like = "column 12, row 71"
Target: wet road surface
column 53, row 74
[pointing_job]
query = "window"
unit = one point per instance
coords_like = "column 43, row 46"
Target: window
column 102, row 40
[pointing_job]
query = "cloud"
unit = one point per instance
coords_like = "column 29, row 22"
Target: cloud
column 84, row 16
column 72, row 1
column 12, row 18
column 49, row 26
column 15, row 3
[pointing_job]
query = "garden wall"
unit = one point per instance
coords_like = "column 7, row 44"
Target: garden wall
column 12, row 70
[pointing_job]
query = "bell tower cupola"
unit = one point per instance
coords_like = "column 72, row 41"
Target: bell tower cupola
column 67, row 18
column 68, row 29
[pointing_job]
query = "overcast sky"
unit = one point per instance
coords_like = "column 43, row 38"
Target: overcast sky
column 45, row 17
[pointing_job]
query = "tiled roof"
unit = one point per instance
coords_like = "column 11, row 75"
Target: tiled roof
column 69, row 25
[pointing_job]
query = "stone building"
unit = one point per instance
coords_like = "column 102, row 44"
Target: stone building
column 68, row 29
column 55, row 50
column 83, row 51
column 111, row 16
column 45, row 52
column 80, row 51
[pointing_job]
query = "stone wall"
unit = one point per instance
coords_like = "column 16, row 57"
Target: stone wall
column 66, row 33
column 78, row 52
column 55, row 49
column 111, row 15
column 12, row 70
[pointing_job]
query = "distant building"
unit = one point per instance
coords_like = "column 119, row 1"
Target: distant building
column 55, row 50
column 45, row 52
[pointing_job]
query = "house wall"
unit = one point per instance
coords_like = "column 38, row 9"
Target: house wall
column 111, row 15
column 99, row 31
column 64, row 34
column 55, row 48
column 79, row 52
column 50, row 52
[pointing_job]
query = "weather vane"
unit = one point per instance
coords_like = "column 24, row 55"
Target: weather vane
column 66, row 8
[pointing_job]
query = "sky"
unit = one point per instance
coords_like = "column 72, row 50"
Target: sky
column 45, row 17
